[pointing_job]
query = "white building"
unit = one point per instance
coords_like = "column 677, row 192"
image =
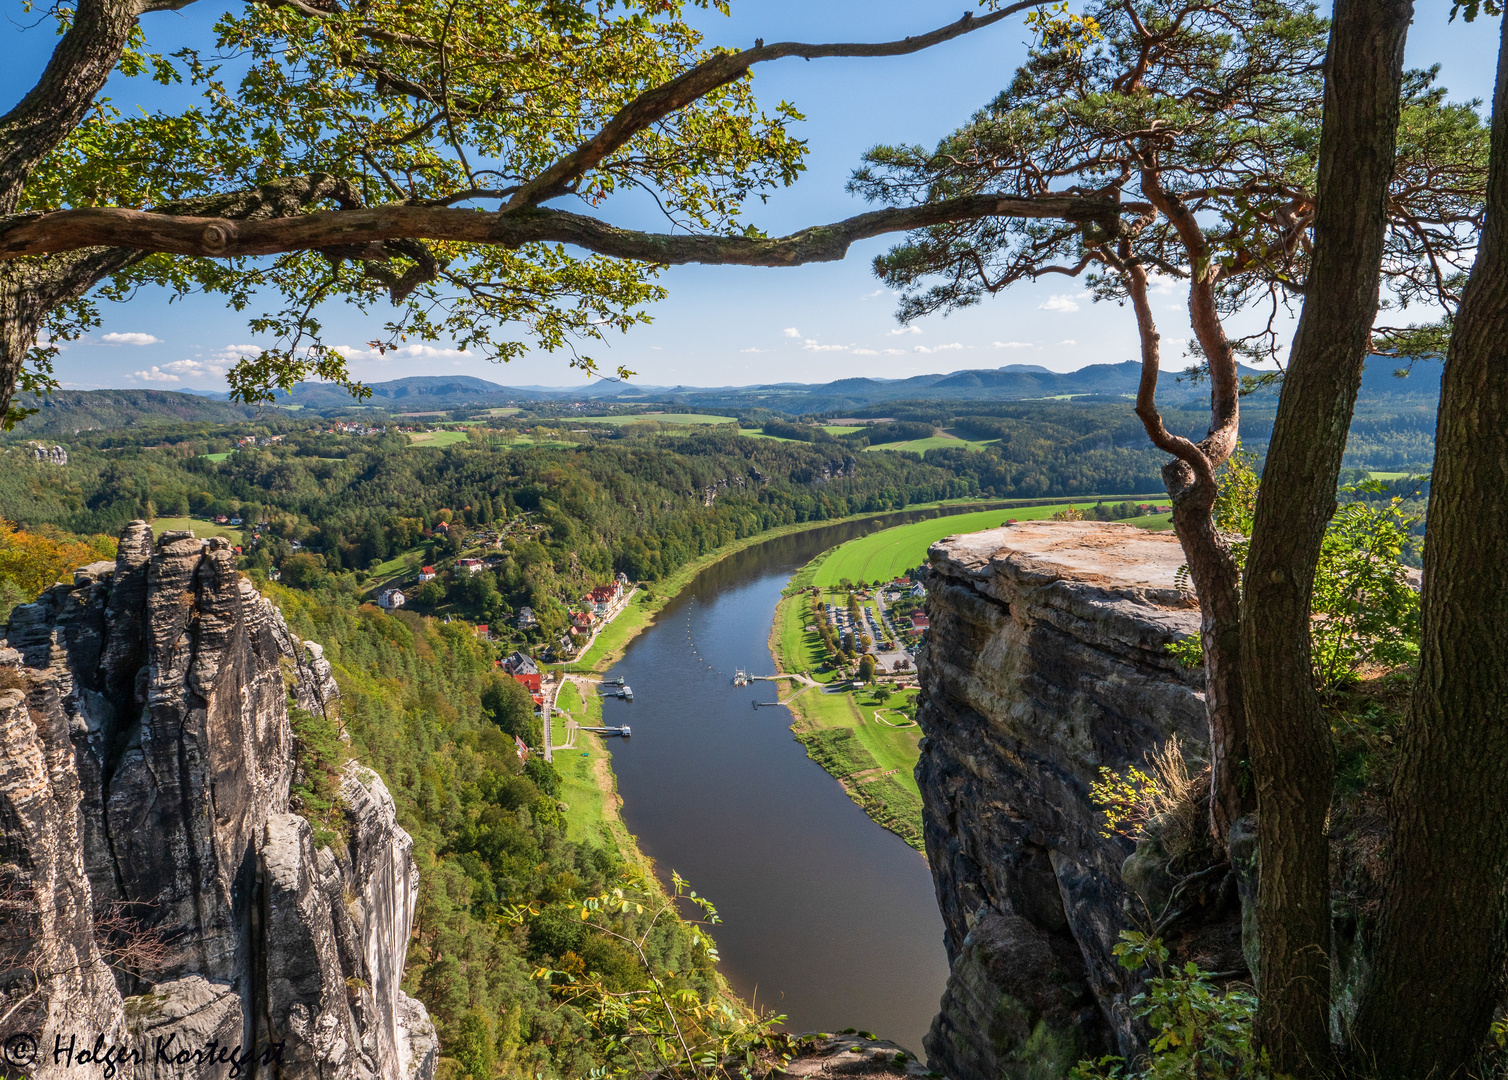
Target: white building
column 390, row 599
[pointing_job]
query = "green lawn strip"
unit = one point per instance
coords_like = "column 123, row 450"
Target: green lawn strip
column 218, row 457
column 796, row 649
column 589, row 788
column 201, row 528
column 395, row 565
column 569, row 699
column 755, row 433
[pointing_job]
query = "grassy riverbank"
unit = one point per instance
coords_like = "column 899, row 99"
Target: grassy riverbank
column 607, row 650
column 871, row 746
column 868, row 745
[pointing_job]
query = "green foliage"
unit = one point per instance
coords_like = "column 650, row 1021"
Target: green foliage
column 1366, row 612
column 488, row 837
column 1198, row 1031
column 319, row 754
column 1123, row 800
column 1231, row 99
column 422, row 103
column 32, row 559
column 647, row 1019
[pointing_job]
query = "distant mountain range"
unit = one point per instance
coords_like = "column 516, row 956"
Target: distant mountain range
column 67, row 412
column 1009, row 383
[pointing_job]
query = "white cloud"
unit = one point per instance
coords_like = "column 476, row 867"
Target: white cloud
column 1160, row 283
column 1068, row 341
column 1062, row 302
column 1013, row 345
column 811, row 346
column 938, row 348
column 878, row 292
column 866, row 352
column 131, row 339
column 236, row 352
column 754, row 350
column 403, row 352
column 155, row 374
column 791, row 331
column 904, row 330
column 893, row 352
column 179, row 370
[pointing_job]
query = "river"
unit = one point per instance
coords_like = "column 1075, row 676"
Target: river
column 827, row 917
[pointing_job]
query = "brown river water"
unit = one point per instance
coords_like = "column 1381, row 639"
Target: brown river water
column 826, row 917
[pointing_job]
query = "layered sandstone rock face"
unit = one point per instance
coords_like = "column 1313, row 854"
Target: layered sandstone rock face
column 1046, row 660
column 154, row 884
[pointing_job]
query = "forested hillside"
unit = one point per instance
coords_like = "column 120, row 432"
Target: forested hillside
column 65, row 413
column 425, row 708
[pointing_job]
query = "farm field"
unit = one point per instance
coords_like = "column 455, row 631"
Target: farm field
column 202, row 529
column 437, row 438
column 936, row 442
column 755, row 433
column 218, row 457
column 888, row 553
column 691, row 419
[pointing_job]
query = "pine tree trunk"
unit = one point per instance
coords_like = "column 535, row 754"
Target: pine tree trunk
column 1439, row 962
column 1216, row 580
column 1292, row 752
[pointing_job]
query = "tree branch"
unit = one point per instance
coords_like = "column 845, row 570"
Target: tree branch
column 207, row 234
column 78, row 68
column 712, row 73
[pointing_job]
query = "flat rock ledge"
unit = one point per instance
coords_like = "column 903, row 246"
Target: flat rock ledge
column 1046, row 661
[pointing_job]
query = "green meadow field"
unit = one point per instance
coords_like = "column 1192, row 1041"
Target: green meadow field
column 437, row 438
column 935, row 442
column 883, row 555
column 201, row 528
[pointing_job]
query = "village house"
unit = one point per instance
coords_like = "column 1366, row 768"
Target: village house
column 919, row 622
column 390, row 599
column 471, row 566
column 519, row 662
column 526, row 619
column 426, row 573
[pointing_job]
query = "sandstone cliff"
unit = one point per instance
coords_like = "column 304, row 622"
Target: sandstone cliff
column 154, row 884
column 1045, row 661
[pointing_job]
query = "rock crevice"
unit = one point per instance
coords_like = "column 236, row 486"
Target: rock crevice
column 154, row 880
column 1046, row 661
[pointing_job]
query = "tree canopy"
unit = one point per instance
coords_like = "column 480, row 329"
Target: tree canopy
column 404, row 153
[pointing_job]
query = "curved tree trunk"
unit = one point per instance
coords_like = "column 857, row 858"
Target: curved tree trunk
column 1437, row 974
column 1190, row 480
column 1292, row 752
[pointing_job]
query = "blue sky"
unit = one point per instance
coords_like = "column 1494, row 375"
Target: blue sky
column 735, row 325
